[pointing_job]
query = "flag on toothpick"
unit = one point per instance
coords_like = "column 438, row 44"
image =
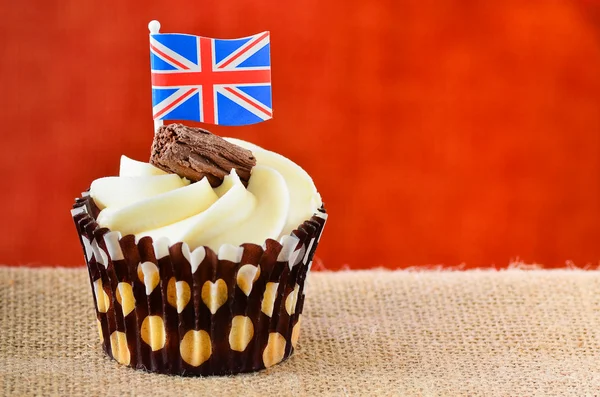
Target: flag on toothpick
column 226, row 82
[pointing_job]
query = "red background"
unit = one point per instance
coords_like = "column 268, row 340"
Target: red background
column 437, row 131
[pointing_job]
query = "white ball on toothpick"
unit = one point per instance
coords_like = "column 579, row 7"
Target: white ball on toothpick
column 154, row 26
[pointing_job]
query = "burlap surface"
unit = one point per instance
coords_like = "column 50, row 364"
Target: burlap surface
column 509, row 333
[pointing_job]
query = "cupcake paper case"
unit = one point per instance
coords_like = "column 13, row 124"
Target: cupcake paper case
column 165, row 308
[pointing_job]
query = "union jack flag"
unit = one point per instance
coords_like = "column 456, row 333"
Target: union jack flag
column 214, row 81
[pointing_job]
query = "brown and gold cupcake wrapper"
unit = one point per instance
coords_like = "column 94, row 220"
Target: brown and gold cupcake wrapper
column 165, row 309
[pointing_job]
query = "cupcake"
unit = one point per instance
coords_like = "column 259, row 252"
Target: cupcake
column 198, row 259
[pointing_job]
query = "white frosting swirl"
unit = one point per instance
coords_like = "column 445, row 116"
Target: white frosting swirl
column 145, row 201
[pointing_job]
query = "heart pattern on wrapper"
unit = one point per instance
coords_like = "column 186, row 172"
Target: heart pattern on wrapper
column 178, row 294
column 148, row 274
column 214, row 295
column 246, row 277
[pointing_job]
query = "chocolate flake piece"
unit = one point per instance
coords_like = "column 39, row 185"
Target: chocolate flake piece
column 195, row 153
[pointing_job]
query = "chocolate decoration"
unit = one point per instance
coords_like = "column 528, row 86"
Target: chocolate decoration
column 185, row 336
column 195, row 153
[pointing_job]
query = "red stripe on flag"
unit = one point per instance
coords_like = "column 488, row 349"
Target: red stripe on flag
column 225, row 77
column 206, row 62
column 176, row 62
column 175, row 102
column 243, row 98
column 239, row 54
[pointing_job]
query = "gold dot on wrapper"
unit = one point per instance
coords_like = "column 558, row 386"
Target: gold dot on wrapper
column 102, row 299
column 268, row 300
column 214, row 295
column 275, row 349
column 291, row 300
column 178, row 294
column 100, row 333
column 296, row 332
column 172, row 292
column 125, row 297
column 195, row 347
column 246, row 276
column 153, row 332
column 140, row 274
column 242, row 331
column 148, row 274
column 119, row 348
